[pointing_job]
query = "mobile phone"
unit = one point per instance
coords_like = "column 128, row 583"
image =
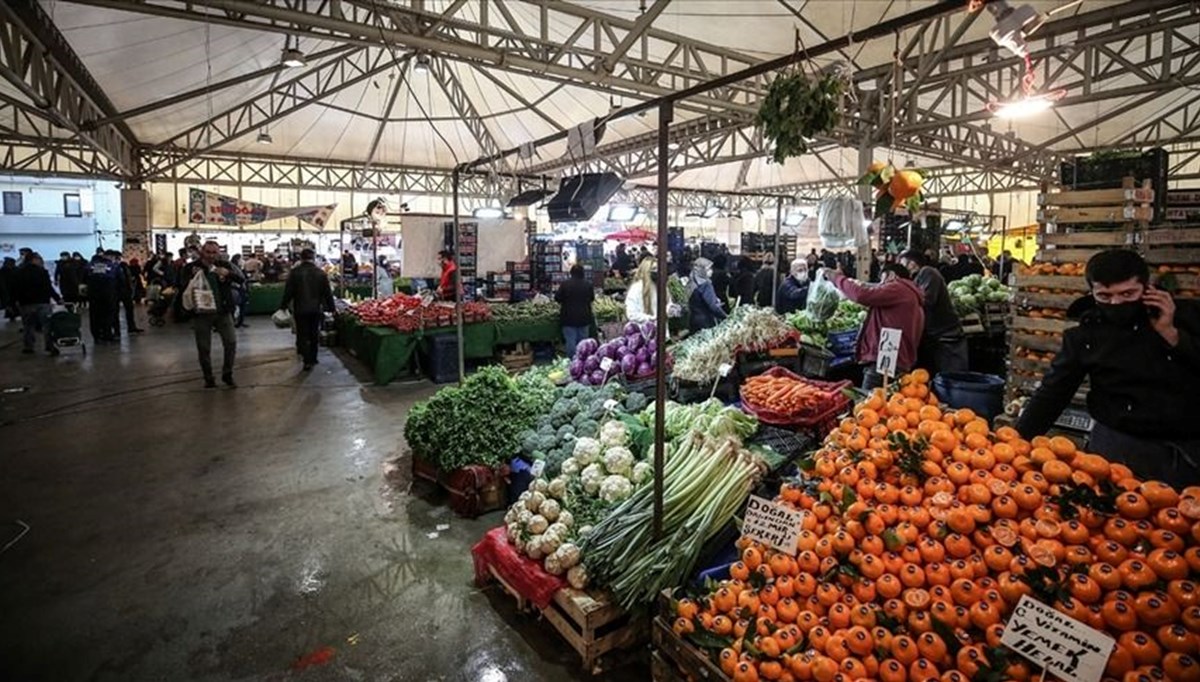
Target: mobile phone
column 1151, row 311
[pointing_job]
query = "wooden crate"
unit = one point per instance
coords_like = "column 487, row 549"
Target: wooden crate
column 1097, row 197
column 685, row 657
column 1044, row 344
column 424, row 469
column 663, row 669
column 1039, row 324
column 1055, row 282
column 518, row 358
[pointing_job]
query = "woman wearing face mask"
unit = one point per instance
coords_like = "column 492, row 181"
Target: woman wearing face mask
column 704, row 307
column 793, row 290
column 1140, row 349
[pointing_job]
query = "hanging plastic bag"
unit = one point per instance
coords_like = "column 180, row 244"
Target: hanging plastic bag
column 198, row 296
column 823, row 297
column 839, row 221
column 282, row 318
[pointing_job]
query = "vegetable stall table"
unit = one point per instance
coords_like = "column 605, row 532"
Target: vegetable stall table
column 527, row 331
column 266, row 297
column 390, row 353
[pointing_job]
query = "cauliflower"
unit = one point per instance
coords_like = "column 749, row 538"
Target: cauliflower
column 550, row 509
column 585, row 531
column 577, row 577
column 524, row 516
column 553, row 565
column 570, row 466
column 566, row 518
column 538, row 524
column 618, row 460
column 510, row 516
column 559, row 529
column 513, row 532
column 592, row 486
column 613, row 433
column 535, row 501
column 615, row 488
column 539, row 485
column 586, row 451
column 568, row 554
column 533, row 548
column 557, row 488
column 593, row 472
column 642, row 472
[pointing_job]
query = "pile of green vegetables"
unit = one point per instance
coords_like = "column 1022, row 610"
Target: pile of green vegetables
column 614, row 284
column 970, row 293
column 576, row 412
column 525, row 311
column 707, row 475
column 477, row 422
column 677, row 290
column 848, row 316
column 699, row 357
column 606, row 309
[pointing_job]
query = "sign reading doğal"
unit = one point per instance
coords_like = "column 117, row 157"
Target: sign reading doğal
column 774, row 525
column 1065, row 647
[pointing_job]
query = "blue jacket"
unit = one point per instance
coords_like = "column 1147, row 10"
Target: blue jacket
column 704, row 309
column 792, row 296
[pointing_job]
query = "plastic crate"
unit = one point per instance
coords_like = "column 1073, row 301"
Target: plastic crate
column 843, row 343
column 837, row 402
column 820, row 363
column 443, row 359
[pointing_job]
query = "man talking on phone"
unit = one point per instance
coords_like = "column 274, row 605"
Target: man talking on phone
column 1140, row 349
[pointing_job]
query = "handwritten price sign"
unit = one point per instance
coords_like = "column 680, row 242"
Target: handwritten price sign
column 1065, row 647
column 772, row 524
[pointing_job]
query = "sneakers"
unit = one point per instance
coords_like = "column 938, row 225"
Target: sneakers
column 210, row 382
column 227, row 379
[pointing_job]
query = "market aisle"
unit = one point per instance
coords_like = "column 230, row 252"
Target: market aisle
column 182, row 533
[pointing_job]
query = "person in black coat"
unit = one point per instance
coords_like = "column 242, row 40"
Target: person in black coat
column 743, row 283
column 721, row 280
column 793, row 290
column 1139, row 348
column 309, row 294
column 66, row 277
column 575, row 297
column 764, row 282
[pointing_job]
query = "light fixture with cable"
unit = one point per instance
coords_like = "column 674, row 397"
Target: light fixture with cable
column 264, row 137
column 794, row 217
column 1026, row 105
column 292, row 56
column 422, row 65
column 488, row 213
column 623, row 213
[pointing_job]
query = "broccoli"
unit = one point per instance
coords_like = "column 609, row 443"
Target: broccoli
column 547, row 442
column 566, row 430
column 589, row 428
column 635, row 402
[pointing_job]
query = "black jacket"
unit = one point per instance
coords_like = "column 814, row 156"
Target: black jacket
column 307, row 289
column 225, row 302
column 940, row 318
column 764, row 286
column 721, row 282
column 743, row 287
column 31, row 286
column 792, row 296
column 1139, row 386
column 575, row 298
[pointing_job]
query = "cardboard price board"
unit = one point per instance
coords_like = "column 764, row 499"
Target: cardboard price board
column 1065, row 647
column 889, row 351
column 774, row 525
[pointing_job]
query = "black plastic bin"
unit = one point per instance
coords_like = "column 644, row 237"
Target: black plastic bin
column 443, row 359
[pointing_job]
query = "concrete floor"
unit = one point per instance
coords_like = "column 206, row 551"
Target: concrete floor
column 178, row 533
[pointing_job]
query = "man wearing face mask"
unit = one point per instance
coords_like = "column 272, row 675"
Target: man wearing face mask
column 793, row 290
column 1140, row 349
column 943, row 347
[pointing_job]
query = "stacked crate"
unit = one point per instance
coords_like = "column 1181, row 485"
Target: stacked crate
column 520, row 279
column 499, row 285
column 1074, row 226
column 757, row 246
column 549, row 270
column 590, row 255
column 467, row 257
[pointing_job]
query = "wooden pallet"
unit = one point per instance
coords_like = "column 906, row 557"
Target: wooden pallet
column 1041, row 324
column 1097, row 197
column 1057, row 282
column 1026, row 299
column 1044, row 344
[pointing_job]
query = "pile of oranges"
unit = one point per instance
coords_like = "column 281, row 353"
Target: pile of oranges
column 921, row 529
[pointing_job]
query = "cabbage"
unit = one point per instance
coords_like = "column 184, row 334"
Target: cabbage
column 634, row 342
column 586, row 347
column 651, row 344
column 631, row 328
column 629, row 365
column 596, row 377
column 642, row 355
column 576, row 368
column 643, row 369
column 591, row 364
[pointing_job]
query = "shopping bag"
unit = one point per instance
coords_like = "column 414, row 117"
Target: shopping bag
column 282, row 318
column 198, row 295
column 823, row 297
column 153, row 292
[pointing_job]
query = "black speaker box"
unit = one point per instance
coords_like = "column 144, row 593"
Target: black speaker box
column 580, row 196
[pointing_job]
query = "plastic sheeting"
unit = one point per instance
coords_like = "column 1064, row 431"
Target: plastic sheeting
column 840, row 222
column 520, row 573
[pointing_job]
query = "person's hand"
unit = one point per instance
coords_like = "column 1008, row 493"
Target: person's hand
column 1164, row 322
column 221, row 272
column 830, row 272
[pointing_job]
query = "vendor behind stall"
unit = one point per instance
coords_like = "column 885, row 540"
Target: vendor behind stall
column 449, row 278
column 793, row 290
column 384, row 285
column 1140, row 349
column 943, row 345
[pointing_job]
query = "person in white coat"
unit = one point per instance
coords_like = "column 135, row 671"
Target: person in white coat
column 641, row 299
column 384, row 286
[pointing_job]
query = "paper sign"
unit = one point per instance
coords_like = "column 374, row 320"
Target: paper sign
column 1065, row 647
column 774, row 525
column 606, row 364
column 889, row 351
column 610, row 405
column 723, row 370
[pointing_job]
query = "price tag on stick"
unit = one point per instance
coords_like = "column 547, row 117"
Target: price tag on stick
column 1063, row 646
column 889, row 351
column 774, row 525
column 606, row 364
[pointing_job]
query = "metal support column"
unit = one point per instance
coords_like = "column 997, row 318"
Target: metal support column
column 778, row 232
column 666, row 112
column 457, row 279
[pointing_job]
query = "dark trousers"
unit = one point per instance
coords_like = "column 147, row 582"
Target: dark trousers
column 100, row 314
column 945, row 354
column 204, row 325
column 36, row 318
column 1176, row 463
column 308, row 328
column 130, row 318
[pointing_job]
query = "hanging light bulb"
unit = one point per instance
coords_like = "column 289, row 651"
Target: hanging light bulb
column 1025, row 106
column 264, row 137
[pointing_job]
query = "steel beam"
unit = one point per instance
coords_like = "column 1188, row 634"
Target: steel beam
column 36, row 59
column 463, row 106
column 40, row 156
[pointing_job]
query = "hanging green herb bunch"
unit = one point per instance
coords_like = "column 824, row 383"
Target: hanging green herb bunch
column 797, row 109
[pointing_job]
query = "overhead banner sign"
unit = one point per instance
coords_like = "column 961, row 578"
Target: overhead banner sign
column 209, row 208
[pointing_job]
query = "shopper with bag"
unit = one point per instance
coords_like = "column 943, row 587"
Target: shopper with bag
column 208, row 297
column 309, row 294
column 894, row 303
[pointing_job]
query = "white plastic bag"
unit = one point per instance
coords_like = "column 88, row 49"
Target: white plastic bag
column 823, row 297
column 198, row 297
column 839, row 221
column 282, row 318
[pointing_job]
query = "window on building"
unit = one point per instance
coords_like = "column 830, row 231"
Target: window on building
column 12, row 203
column 71, row 206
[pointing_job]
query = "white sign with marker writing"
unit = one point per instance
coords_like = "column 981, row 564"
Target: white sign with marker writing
column 889, row 351
column 606, row 364
column 774, row 525
column 1065, row 647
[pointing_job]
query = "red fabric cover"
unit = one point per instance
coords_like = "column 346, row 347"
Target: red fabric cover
column 523, row 574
